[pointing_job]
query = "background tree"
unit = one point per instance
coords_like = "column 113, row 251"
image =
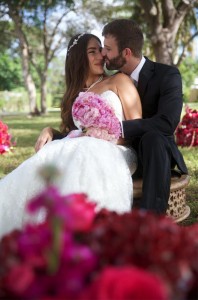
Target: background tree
column 38, row 28
column 165, row 19
column 42, row 28
column 10, row 72
column 46, row 38
column 169, row 25
column 12, row 8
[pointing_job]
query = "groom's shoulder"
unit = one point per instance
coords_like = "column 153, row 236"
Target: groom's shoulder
column 160, row 66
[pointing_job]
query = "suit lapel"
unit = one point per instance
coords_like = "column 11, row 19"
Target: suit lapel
column 144, row 76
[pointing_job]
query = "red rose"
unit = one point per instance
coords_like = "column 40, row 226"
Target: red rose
column 187, row 130
column 19, row 279
column 125, row 283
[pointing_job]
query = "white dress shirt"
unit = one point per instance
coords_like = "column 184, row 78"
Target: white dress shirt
column 135, row 77
column 136, row 72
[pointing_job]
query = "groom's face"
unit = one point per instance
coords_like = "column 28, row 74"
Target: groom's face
column 113, row 58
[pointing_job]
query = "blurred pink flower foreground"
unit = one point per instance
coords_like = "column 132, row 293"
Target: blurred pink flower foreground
column 78, row 254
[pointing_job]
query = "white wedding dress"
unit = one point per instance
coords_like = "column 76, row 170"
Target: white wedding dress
column 96, row 167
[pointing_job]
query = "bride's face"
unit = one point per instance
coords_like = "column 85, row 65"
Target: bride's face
column 95, row 58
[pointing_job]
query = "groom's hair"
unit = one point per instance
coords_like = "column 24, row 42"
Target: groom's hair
column 127, row 34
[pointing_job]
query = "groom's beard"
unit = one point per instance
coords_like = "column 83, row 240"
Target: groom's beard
column 115, row 63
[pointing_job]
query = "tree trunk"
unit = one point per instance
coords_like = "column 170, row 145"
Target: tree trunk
column 29, row 83
column 163, row 45
column 44, row 92
column 164, row 19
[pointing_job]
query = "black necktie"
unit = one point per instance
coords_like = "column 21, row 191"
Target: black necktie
column 135, row 82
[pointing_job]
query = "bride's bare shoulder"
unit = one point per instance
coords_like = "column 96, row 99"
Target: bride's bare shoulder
column 117, row 81
column 121, row 77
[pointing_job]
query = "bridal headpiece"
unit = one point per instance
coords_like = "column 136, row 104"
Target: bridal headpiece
column 75, row 42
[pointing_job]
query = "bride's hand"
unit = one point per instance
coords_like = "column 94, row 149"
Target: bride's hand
column 121, row 141
column 45, row 136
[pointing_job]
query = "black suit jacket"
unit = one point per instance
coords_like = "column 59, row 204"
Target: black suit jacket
column 160, row 90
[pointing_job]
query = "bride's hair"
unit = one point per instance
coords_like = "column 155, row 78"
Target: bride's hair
column 76, row 71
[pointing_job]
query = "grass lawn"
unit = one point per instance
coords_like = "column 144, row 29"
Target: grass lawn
column 26, row 131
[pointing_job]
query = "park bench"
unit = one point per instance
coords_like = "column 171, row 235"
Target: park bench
column 177, row 208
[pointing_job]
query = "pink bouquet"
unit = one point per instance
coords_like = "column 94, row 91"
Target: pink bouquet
column 95, row 117
column 187, row 130
column 5, row 138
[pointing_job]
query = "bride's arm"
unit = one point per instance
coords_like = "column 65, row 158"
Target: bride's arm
column 46, row 136
column 129, row 98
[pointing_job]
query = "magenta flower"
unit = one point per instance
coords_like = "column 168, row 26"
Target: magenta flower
column 46, row 200
column 75, row 211
column 33, row 241
column 81, row 212
column 76, row 254
column 47, row 260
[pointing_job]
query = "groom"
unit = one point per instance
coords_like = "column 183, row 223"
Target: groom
column 160, row 90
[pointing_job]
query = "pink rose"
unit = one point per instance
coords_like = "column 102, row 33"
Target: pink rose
column 92, row 112
column 80, row 212
column 100, row 134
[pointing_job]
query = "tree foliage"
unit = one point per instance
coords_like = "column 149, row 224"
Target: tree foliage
column 10, row 63
column 10, row 72
column 189, row 71
column 40, row 30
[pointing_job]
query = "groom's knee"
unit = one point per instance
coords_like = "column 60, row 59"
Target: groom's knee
column 153, row 141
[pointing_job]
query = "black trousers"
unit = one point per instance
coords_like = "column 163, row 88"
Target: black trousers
column 154, row 166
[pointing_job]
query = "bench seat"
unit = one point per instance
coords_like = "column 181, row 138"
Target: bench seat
column 177, row 208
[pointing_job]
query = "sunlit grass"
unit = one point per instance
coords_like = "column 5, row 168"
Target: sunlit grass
column 191, row 159
column 26, row 130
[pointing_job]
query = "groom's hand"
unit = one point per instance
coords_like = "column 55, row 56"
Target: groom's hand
column 45, row 136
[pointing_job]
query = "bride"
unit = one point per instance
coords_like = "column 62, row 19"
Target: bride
column 100, row 168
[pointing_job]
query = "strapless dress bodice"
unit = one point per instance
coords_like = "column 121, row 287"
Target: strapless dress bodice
column 113, row 100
